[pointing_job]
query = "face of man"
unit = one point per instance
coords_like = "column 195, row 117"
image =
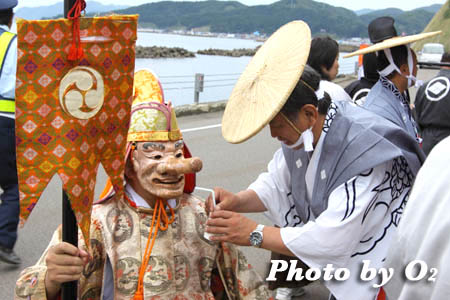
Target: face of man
column 158, row 170
column 333, row 71
column 284, row 132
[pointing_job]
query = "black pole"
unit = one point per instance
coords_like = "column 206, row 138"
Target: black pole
column 68, row 4
column 70, row 228
column 69, row 235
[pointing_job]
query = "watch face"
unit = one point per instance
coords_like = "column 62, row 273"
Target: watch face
column 256, row 238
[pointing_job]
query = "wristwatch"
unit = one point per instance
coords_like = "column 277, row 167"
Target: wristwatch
column 256, row 236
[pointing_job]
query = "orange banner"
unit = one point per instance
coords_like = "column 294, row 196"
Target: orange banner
column 70, row 116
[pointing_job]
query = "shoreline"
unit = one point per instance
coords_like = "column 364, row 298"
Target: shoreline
column 343, row 47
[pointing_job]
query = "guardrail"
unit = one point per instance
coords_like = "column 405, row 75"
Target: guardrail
column 201, row 81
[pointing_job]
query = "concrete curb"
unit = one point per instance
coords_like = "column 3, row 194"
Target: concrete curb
column 207, row 107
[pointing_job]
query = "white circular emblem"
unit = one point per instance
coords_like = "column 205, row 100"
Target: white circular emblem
column 81, row 92
column 360, row 96
column 437, row 88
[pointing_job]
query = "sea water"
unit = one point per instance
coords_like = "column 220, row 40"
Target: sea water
column 177, row 75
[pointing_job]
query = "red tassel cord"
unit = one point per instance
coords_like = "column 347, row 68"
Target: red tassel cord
column 76, row 51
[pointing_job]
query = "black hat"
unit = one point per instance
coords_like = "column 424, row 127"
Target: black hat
column 381, row 29
column 7, row 4
column 383, row 35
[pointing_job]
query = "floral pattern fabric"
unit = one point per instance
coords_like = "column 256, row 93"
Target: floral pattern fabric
column 183, row 264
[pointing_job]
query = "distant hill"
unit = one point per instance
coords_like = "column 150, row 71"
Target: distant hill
column 235, row 17
column 408, row 22
column 440, row 21
column 363, row 11
column 57, row 9
column 432, row 8
column 230, row 16
column 220, row 16
column 393, row 12
column 184, row 15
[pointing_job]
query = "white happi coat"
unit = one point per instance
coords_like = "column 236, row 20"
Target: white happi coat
column 358, row 224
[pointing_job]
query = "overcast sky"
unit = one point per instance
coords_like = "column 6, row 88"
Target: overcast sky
column 349, row 4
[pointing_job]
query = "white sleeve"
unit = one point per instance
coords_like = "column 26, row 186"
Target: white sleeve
column 335, row 234
column 273, row 188
column 8, row 78
column 423, row 232
column 336, row 92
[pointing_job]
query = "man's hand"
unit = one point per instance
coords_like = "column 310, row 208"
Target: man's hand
column 244, row 201
column 228, row 226
column 65, row 263
column 225, row 200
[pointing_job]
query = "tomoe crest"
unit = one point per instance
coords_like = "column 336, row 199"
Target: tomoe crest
column 81, row 92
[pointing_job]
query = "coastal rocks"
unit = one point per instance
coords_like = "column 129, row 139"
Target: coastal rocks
column 347, row 48
column 162, row 52
column 192, row 109
column 233, row 53
column 176, row 52
column 251, row 52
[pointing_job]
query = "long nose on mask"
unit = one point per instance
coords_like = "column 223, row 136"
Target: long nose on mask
column 180, row 166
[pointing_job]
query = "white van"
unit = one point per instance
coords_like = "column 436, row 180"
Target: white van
column 431, row 52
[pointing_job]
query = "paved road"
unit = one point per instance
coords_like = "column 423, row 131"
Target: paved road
column 230, row 166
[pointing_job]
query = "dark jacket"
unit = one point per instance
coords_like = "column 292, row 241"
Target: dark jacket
column 433, row 110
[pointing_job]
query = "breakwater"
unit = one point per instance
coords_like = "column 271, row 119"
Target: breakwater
column 177, row 52
column 233, row 53
column 162, row 52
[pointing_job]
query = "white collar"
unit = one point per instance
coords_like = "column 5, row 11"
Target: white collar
column 5, row 27
column 312, row 166
column 310, row 176
column 139, row 201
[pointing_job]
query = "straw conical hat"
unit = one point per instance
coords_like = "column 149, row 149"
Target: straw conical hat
column 267, row 82
column 394, row 42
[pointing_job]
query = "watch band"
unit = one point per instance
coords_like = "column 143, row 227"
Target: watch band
column 259, row 227
column 256, row 236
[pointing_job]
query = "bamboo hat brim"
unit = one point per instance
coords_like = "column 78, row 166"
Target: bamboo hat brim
column 394, row 42
column 267, row 81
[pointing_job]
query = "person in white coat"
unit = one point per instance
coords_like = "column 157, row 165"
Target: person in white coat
column 422, row 243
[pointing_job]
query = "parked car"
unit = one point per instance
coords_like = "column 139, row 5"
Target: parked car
column 431, row 53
